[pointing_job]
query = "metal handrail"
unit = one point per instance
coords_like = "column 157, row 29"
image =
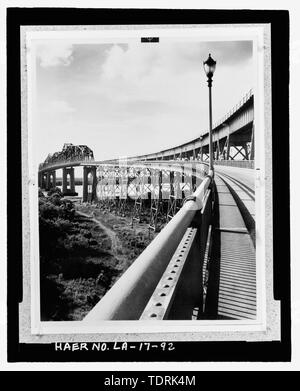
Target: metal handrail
column 128, row 297
column 233, row 110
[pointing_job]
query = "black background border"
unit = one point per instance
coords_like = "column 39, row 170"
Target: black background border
column 272, row 351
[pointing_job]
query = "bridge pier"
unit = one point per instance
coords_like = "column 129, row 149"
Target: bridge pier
column 43, row 181
column 47, row 181
column 86, row 196
column 68, row 171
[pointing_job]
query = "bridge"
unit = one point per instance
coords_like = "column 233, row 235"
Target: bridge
column 201, row 264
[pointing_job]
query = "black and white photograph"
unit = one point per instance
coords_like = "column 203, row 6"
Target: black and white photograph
column 148, row 181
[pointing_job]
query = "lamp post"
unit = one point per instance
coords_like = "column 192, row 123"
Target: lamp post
column 209, row 68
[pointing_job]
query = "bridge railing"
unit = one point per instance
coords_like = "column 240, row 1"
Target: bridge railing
column 128, row 297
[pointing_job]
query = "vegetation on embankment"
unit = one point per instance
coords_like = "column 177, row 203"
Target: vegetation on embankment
column 81, row 255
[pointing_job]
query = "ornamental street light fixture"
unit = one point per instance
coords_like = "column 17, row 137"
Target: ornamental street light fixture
column 209, row 68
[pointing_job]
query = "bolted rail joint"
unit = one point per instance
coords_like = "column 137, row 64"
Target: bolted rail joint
column 128, row 297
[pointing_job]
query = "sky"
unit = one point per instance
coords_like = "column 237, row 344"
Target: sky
column 132, row 98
